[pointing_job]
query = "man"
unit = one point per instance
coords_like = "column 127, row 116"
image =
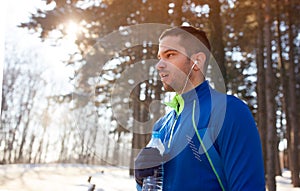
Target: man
column 211, row 140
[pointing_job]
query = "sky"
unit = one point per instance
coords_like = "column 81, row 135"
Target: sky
column 44, row 58
column 12, row 14
column 2, row 19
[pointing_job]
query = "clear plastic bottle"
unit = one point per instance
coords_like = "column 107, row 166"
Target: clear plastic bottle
column 155, row 182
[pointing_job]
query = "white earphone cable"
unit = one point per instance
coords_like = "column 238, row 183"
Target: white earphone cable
column 187, row 77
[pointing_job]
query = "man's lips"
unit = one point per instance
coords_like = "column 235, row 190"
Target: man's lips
column 163, row 76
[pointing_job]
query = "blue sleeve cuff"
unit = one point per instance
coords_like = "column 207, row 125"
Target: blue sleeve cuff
column 138, row 187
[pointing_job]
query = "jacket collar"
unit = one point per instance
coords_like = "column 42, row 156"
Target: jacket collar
column 177, row 103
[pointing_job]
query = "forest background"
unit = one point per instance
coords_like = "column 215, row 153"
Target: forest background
column 104, row 116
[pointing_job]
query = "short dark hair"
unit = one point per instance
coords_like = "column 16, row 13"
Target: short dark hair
column 192, row 39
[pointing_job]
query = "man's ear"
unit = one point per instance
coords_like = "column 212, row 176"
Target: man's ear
column 199, row 60
column 201, row 57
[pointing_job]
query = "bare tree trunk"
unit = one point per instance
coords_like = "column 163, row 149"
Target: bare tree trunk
column 282, row 66
column 277, row 160
column 139, row 139
column 10, row 145
column 116, row 153
column 94, row 139
column 261, row 96
column 136, row 135
column 39, row 153
column 28, row 105
column 30, row 149
column 13, row 135
column 11, row 75
column 38, row 156
column 270, row 118
column 46, row 151
column 23, row 141
column 62, row 149
column 217, row 43
column 106, row 157
column 45, row 123
column 292, row 101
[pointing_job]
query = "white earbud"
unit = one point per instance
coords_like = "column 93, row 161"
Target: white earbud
column 195, row 62
column 193, row 66
column 188, row 75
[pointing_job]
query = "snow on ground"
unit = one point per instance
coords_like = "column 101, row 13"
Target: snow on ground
column 284, row 182
column 64, row 177
column 74, row 177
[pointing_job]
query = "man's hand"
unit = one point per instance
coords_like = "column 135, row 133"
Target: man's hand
column 147, row 161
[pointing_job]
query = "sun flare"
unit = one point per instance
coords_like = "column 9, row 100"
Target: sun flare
column 72, row 30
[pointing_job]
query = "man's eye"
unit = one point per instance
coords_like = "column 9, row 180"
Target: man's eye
column 170, row 55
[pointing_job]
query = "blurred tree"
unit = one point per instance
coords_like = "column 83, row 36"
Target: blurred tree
column 270, row 117
column 261, row 96
column 292, row 106
column 245, row 45
column 20, row 87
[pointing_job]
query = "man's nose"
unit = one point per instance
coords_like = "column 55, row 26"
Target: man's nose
column 160, row 64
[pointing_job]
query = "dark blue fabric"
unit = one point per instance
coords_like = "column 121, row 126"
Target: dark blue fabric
column 229, row 134
column 147, row 162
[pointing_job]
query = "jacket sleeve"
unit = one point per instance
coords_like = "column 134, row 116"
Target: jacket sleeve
column 138, row 187
column 240, row 148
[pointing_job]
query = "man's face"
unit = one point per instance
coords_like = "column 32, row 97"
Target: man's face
column 173, row 65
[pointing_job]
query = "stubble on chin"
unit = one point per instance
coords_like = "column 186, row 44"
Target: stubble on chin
column 168, row 88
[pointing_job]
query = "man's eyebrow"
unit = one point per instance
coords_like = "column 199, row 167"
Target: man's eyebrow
column 166, row 51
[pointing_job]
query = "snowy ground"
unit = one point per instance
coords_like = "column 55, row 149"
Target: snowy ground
column 72, row 177
column 64, row 177
column 284, row 182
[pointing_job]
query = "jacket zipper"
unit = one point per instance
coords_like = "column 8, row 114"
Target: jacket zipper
column 172, row 131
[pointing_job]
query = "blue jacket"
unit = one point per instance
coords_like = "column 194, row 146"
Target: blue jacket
column 213, row 143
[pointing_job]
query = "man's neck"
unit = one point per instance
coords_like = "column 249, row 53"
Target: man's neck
column 190, row 86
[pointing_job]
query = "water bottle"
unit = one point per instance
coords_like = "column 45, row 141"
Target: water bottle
column 155, row 182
